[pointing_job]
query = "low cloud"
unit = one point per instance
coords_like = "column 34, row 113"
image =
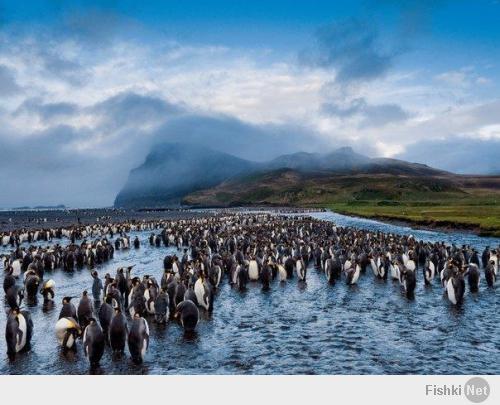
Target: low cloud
column 457, row 154
column 370, row 115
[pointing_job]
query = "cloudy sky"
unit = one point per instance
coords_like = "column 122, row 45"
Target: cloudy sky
column 86, row 88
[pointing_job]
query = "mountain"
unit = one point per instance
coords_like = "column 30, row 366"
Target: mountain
column 345, row 160
column 173, row 171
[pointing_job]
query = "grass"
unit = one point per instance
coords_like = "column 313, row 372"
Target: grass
column 467, row 202
column 474, row 215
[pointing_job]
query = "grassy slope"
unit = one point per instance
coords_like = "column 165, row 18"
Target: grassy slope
column 450, row 201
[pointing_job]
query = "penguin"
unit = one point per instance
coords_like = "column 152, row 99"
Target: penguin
column 180, row 291
column 455, row 287
column 329, row 271
column 301, row 270
column 96, row 287
column 204, row 294
column 84, row 310
column 265, row 276
column 67, row 332
column 253, row 270
column 241, row 278
column 162, row 307
column 93, row 342
column 215, row 275
column 190, row 295
column 14, row 296
column 395, row 272
column 352, row 273
column 105, row 314
column 409, row 282
column 188, row 314
column 48, row 290
column 138, row 339
column 18, row 332
column 137, row 243
column 473, row 277
column 289, row 267
column 31, row 284
column 429, row 271
column 9, row 280
column 68, row 310
column 137, row 305
column 282, row 273
column 489, row 273
column 118, row 331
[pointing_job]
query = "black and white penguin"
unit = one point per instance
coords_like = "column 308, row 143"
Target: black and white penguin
column 408, row 282
column 188, row 314
column 429, row 271
column 138, row 339
column 329, row 271
column 204, row 294
column 67, row 332
column 48, row 290
column 68, row 309
column 18, row 332
column 241, row 276
column 162, row 307
column 118, row 331
column 473, row 277
column 301, row 269
column 455, row 287
column 93, row 342
column 137, row 243
column 85, row 310
column 253, row 270
column 489, row 273
column 352, row 272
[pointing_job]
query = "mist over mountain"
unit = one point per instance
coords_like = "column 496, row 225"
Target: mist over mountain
column 173, row 170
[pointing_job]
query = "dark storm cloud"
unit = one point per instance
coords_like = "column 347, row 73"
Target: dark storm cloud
column 457, row 154
column 45, row 151
column 8, row 84
column 353, row 48
column 373, row 115
column 94, row 163
column 231, row 135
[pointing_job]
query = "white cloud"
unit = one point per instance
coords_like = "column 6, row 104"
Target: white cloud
column 257, row 87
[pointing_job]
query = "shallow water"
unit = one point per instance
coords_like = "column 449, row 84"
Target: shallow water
column 294, row 328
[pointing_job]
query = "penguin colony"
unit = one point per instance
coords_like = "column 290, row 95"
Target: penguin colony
column 241, row 248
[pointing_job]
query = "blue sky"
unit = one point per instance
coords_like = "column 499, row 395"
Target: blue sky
column 88, row 87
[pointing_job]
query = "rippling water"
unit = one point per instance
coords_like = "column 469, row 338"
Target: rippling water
column 315, row 328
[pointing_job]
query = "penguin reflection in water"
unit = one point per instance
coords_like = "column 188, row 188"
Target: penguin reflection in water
column 18, row 332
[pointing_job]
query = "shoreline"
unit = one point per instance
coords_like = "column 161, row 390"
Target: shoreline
column 431, row 225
